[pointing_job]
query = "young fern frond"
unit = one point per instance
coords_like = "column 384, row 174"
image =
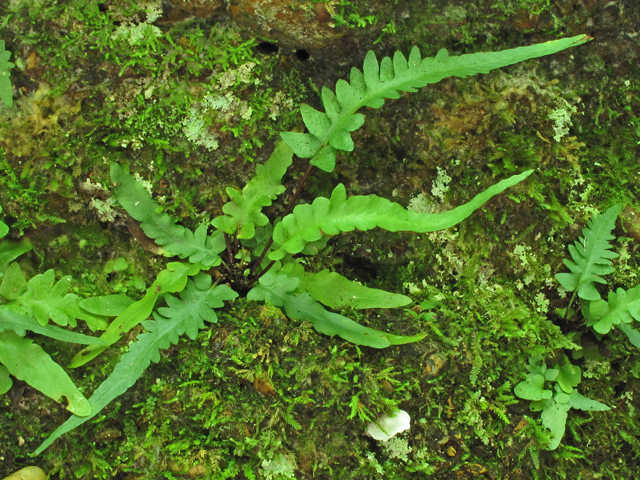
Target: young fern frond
column 244, row 212
column 591, row 254
column 311, row 222
column 183, row 316
column 282, row 290
column 175, row 239
column 621, row 307
column 44, row 298
column 330, row 130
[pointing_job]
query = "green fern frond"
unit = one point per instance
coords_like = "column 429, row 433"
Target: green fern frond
column 175, row 239
column 160, row 335
column 330, row 130
column 591, row 254
column 337, row 292
column 243, row 213
column 311, row 222
column 44, row 300
column 6, row 92
column 172, row 279
column 621, row 307
column 280, row 290
column 19, row 323
column 27, row 361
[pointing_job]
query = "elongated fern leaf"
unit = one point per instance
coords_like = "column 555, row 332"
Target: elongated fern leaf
column 19, row 323
column 591, row 254
column 244, row 212
column 27, row 361
column 278, row 289
column 330, row 130
column 185, row 315
column 337, row 292
column 310, row 222
column 197, row 246
column 172, row 279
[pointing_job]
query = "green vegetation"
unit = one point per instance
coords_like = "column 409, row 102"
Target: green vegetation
column 180, row 104
column 281, row 279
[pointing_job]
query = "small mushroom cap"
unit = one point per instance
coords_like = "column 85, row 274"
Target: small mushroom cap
column 28, row 473
column 389, row 426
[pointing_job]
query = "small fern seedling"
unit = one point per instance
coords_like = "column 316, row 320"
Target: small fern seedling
column 554, row 402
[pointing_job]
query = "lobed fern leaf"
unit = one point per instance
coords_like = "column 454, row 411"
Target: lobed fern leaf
column 44, row 300
column 6, row 91
column 330, row 130
column 186, row 315
column 621, row 307
column 280, row 290
column 311, row 222
column 591, row 254
column 175, row 239
column 244, row 212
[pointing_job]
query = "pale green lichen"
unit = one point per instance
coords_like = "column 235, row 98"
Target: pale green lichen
column 561, row 116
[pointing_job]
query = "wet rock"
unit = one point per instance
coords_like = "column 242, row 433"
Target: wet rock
column 298, row 25
column 630, row 221
column 200, row 8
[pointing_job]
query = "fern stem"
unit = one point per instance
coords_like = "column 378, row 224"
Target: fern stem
column 566, row 312
column 266, row 269
column 226, row 236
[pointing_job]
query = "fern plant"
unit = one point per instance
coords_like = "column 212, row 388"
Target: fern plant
column 591, row 259
column 6, row 92
column 262, row 263
column 554, row 404
column 28, row 306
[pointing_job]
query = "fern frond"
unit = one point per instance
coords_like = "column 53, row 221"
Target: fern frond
column 244, row 211
column 175, row 239
column 44, row 300
column 279, row 290
column 172, row 279
column 310, row 222
column 27, row 361
column 621, row 307
column 161, row 334
column 330, row 130
column 19, row 323
column 591, row 254
column 337, row 292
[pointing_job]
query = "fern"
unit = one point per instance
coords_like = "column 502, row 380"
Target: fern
column 19, row 323
column 311, row 222
column 336, row 291
column 591, row 254
column 330, row 130
column 175, row 239
column 27, row 361
column 280, row 290
column 40, row 298
column 621, row 308
column 186, row 315
column 243, row 213
column 6, row 92
column 172, row 279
